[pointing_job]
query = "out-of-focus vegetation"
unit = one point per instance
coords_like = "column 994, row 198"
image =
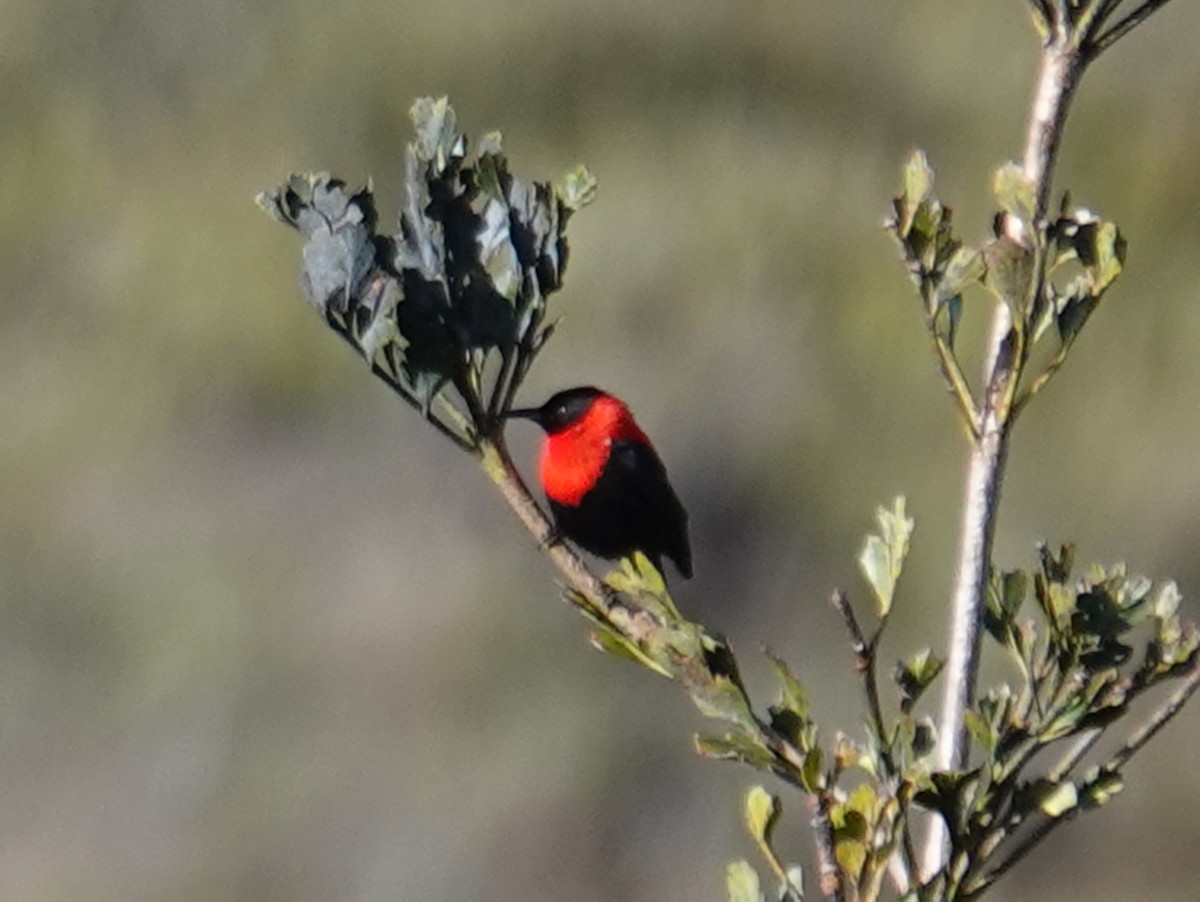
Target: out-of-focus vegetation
column 232, row 667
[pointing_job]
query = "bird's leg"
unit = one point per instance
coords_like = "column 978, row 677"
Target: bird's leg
column 552, row 539
column 612, row 598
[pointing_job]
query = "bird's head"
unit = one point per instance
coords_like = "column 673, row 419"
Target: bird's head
column 563, row 410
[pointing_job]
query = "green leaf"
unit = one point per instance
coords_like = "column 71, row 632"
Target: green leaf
column 1054, row 595
column 640, row 579
column 490, row 144
column 1098, row 245
column 1096, row 622
column 876, row 566
column 1057, row 567
column 430, row 353
column 1166, row 600
column 1006, row 595
column 921, row 224
column 790, row 716
column 980, row 731
column 1014, row 586
column 437, row 141
column 1075, row 307
column 613, row 643
column 914, row 676
column 762, row 813
column 610, row 641
column 338, row 230
column 851, row 855
column 735, row 746
column 644, row 574
column 883, row 554
column 812, row 774
column 499, row 259
column 1009, row 273
column 850, row 825
column 1060, row 799
column 742, row 883
column 924, row 738
column 723, row 699
column 918, row 178
column 1110, row 257
column 793, row 695
column 1067, row 720
column 853, row 823
column 1061, row 604
column 1099, row 787
column 800, row 733
column 865, row 800
column 578, row 189
column 951, row 794
column 847, row 754
column 1014, row 192
column 379, row 301
column 965, row 268
column 996, row 706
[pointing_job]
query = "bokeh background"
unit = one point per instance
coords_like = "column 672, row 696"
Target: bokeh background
column 264, row 637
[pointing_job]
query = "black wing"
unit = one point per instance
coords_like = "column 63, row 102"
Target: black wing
column 639, row 481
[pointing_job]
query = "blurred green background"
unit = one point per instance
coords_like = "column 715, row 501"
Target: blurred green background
column 265, row 638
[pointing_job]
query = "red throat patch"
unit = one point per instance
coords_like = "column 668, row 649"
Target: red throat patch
column 572, row 460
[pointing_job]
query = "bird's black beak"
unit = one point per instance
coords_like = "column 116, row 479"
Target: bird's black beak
column 525, row 413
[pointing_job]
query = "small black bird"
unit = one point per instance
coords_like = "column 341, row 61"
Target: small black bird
column 607, row 488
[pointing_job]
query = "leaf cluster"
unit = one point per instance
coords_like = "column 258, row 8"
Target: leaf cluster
column 1085, row 649
column 1079, row 676
column 783, row 740
column 457, row 297
column 1047, row 273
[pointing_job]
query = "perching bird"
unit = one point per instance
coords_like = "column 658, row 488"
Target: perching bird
column 607, row 488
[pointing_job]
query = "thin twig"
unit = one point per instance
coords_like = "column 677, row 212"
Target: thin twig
column 1107, row 8
column 1042, row 15
column 1043, row 378
column 1027, row 844
column 468, row 391
column 457, row 418
column 1089, row 18
column 524, row 359
column 1107, row 38
column 1076, row 753
column 864, row 663
column 865, row 660
column 1159, row 719
column 776, row 866
column 829, row 875
column 957, row 383
column 495, row 402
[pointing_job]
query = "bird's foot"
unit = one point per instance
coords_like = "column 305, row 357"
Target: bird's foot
column 552, row 539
